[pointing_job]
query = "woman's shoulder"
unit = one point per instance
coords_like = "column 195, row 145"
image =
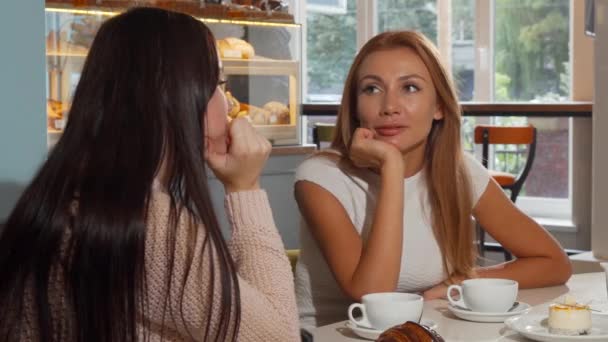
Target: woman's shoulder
column 474, row 167
column 479, row 176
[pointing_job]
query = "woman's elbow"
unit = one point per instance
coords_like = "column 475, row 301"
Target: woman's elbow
column 355, row 293
column 562, row 270
column 566, row 272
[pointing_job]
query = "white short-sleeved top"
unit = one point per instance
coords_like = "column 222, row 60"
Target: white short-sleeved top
column 320, row 300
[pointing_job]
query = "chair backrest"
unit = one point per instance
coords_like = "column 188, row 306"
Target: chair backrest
column 322, row 132
column 520, row 135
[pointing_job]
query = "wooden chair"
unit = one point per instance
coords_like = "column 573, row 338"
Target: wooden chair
column 292, row 255
column 322, row 132
column 487, row 135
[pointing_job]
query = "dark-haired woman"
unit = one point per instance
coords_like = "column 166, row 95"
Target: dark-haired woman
column 115, row 239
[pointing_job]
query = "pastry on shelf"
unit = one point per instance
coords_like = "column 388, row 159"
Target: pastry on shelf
column 569, row 318
column 243, row 113
column 259, row 116
column 231, row 47
column 269, row 5
column 55, row 115
column 235, row 105
column 279, row 113
column 273, row 112
column 265, row 10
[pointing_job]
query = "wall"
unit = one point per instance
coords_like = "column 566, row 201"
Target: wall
column 580, row 138
column 22, row 94
column 599, row 193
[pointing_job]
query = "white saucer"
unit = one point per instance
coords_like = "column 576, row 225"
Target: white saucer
column 534, row 327
column 488, row 317
column 373, row 334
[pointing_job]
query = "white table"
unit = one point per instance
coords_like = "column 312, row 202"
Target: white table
column 584, row 287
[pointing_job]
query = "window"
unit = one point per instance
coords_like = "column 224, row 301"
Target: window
column 420, row 15
column 332, row 39
column 531, row 50
column 326, row 6
column 463, row 47
column 330, row 50
column 531, row 63
column 498, row 50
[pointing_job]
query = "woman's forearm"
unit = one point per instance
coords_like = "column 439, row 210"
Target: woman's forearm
column 531, row 272
column 380, row 262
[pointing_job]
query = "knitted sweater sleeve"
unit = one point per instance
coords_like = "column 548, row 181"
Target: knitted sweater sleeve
column 267, row 287
column 182, row 297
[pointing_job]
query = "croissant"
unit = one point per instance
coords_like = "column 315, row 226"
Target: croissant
column 409, row 332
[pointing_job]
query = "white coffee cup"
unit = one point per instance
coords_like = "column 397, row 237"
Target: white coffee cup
column 485, row 294
column 386, row 309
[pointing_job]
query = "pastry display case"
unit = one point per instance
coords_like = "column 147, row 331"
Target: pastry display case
column 258, row 42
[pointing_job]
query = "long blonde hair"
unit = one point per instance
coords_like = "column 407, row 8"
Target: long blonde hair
column 448, row 183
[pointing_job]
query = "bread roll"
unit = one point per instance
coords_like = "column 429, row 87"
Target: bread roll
column 279, row 113
column 259, row 116
column 55, row 112
column 235, row 48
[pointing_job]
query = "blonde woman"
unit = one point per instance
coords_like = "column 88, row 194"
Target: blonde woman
column 389, row 206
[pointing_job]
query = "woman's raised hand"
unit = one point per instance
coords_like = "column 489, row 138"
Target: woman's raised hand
column 240, row 167
column 365, row 151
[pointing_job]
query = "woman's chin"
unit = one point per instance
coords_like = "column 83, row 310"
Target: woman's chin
column 391, row 140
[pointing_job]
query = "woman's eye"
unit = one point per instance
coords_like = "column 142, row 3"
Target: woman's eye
column 370, row 89
column 410, row 88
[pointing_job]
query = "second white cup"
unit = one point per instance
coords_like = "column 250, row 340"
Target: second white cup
column 485, row 294
column 384, row 310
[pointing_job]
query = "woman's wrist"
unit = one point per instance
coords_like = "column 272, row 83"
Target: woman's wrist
column 393, row 163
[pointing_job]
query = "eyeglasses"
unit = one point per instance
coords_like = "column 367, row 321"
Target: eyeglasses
column 222, row 84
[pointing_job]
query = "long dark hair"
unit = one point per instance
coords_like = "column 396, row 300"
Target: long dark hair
column 139, row 104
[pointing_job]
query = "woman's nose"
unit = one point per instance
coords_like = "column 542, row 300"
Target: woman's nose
column 390, row 105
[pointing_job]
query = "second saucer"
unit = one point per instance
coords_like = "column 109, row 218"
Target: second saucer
column 489, row 317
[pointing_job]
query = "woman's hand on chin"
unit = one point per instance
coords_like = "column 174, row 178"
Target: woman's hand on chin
column 239, row 168
column 367, row 152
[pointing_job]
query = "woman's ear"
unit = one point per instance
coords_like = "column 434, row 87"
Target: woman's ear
column 438, row 114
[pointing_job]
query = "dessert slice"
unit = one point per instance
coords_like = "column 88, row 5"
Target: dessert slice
column 569, row 318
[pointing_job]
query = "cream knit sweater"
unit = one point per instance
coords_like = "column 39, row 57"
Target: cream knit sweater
column 268, row 308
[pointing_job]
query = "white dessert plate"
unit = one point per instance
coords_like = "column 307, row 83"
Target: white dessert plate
column 534, row 327
column 488, row 317
column 599, row 308
column 373, row 334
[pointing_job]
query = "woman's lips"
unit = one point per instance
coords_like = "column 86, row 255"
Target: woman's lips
column 389, row 131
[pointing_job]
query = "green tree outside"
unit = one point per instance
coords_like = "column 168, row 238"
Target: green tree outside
column 331, row 46
column 531, row 48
